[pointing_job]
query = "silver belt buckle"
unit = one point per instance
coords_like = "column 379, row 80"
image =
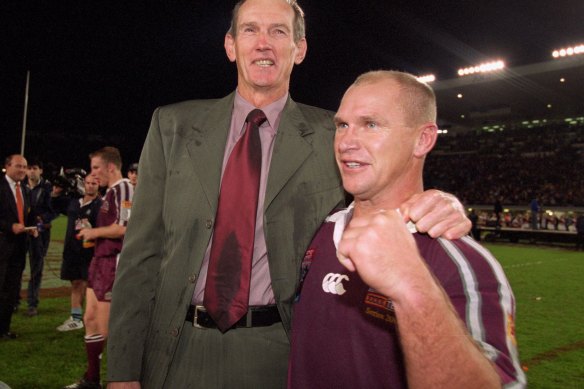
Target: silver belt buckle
column 196, row 316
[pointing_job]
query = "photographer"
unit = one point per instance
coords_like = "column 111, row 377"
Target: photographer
column 81, row 212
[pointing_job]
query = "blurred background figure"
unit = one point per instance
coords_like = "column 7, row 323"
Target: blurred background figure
column 14, row 217
column 42, row 215
column 534, row 206
column 81, row 213
column 133, row 174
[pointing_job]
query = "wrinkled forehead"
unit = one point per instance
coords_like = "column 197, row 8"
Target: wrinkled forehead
column 265, row 11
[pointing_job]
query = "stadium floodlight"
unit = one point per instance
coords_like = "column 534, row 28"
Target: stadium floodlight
column 486, row 67
column 568, row 51
column 428, row 78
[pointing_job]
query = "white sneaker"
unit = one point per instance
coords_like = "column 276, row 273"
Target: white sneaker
column 70, row 324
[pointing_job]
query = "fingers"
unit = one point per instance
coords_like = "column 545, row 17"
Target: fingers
column 437, row 213
column 364, row 234
column 345, row 261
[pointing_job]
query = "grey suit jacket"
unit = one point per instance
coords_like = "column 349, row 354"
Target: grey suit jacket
column 173, row 214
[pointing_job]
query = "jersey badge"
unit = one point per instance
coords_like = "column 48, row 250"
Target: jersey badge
column 379, row 307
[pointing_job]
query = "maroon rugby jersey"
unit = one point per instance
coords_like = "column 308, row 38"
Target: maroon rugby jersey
column 116, row 207
column 344, row 333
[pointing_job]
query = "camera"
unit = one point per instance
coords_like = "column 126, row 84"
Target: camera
column 71, row 181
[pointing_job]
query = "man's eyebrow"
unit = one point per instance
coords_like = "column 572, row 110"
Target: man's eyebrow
column 248, row 24
column 280, row 25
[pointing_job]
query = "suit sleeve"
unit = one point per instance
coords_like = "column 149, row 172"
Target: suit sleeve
column 134, row 288
column 5, row 219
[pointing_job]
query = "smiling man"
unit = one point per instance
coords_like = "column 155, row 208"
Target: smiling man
column 231, row 192
column 395, row 307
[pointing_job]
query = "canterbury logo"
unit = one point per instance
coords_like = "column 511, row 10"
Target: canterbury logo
column 333, row 283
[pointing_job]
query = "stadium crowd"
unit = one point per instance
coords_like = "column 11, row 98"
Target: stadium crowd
column 513, row 166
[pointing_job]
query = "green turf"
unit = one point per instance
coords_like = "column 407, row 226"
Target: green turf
column 550, row 330
column 548, row 286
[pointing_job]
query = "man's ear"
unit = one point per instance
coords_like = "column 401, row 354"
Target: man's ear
column 426, row 140
column 302, row 46
column 229, row 45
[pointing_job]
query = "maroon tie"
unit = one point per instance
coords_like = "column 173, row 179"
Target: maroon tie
column 228, row 277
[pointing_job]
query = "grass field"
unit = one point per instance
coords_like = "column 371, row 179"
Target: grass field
column 548, row 285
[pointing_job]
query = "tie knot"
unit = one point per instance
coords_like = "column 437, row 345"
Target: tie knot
column 18, row 184
column 256, row 117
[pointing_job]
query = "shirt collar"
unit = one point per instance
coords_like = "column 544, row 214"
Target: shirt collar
column 344, row 216
column 273, row 111
column 11, row 181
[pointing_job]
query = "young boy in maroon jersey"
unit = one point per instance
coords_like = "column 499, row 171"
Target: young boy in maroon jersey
column 382, row 305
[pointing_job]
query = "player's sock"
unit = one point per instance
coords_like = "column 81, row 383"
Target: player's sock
column 94, row 345
column 77, row 313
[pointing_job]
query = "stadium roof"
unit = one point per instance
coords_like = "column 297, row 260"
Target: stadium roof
column 530, row 92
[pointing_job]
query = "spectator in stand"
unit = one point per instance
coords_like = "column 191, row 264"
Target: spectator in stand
column 81, row 213
column 42, row 214
column 498, row 209
column 474, row 219
column 534, row 207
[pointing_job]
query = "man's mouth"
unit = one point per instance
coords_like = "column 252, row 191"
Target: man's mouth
column 264, row 62
column 353, row 164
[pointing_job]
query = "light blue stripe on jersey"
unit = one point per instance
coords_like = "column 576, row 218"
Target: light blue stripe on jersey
column 470, row 285
column 508, row 303
column 473, row 307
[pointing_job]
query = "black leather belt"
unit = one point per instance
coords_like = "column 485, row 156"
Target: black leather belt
column 260, row 316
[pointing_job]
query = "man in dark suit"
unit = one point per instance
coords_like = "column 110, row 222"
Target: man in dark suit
column 14, row 217
column 160, row 333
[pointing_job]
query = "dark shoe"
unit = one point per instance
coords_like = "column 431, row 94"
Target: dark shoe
column 83, row 384
column 31, row 311
column 8, row 336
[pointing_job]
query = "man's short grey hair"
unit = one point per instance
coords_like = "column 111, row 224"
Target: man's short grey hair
column 416, row 97
column 299, row 25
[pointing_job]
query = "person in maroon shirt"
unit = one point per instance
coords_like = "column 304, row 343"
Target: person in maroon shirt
column 381, row 305
column 106, row 165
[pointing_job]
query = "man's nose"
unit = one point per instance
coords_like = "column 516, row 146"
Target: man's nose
column 347, row 139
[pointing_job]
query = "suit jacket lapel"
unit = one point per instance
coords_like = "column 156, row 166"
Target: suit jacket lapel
column 290, row 151
column 209, row 136
column 9, row 197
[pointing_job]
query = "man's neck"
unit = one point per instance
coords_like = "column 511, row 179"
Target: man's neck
column 114, row 178
column 32, row 182
column 88, row 198
column 261, row 98
column 391, row 199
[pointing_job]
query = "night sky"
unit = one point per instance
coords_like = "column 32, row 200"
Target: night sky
column 99, row 70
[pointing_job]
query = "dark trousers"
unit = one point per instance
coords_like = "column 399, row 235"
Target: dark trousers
column 11, row 268
column 37, row 251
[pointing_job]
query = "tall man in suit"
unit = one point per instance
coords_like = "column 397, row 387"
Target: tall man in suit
column 161, row 335
column 14, row 217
